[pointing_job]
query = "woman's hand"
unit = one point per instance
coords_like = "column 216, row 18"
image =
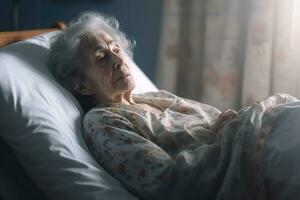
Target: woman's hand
column 223, row 118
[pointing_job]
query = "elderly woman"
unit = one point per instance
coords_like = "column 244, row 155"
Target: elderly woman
column 161, row 146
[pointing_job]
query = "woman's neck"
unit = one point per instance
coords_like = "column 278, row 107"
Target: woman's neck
column 123, row 98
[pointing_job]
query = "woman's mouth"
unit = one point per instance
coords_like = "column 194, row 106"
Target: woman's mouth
column 122, row 77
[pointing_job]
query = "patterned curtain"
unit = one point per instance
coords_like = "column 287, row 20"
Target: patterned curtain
column 230, row 53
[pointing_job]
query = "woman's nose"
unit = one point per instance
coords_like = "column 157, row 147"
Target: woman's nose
column 117, row 60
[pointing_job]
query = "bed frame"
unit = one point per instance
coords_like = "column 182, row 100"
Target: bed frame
column 15, row 36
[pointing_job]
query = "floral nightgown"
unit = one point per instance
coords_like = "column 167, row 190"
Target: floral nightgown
column 174, row 155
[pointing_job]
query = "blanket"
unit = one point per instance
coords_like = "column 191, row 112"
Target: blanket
column 173, row 155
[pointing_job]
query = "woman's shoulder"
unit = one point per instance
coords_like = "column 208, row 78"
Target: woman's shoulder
column 101, row 116
column 92, row 115
column 103, row 111
column 99, row 113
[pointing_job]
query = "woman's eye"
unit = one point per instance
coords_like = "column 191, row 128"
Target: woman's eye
column 99, row 55
column 116, row 47
column 116, row 50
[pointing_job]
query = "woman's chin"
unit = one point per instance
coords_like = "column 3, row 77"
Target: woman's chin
column 125, row 85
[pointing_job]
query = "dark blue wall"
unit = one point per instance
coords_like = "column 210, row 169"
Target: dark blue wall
column 6, row 18
column 139, row 19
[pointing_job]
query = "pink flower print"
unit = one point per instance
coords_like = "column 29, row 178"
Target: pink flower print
column 182, row 110
column 261, row 33
column 108, row 130
column 224, row 82
column 167, row 124
column 281, row 57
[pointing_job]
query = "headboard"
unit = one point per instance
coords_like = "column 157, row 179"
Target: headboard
column 14, row 36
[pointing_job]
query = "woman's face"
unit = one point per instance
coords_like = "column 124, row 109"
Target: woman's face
column 106, row 69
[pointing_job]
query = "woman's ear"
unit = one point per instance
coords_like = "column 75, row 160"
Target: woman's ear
column 85, row 89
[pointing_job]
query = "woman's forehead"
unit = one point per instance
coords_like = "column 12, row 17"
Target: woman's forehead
column 97, row 38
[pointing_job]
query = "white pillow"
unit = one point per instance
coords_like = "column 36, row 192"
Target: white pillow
column 142, row 82
column 41, row 122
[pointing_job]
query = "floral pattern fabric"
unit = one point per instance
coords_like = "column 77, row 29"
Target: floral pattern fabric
column 229, row 53
column 174, row 155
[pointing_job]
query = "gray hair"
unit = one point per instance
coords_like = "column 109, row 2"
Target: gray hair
column 64, row 61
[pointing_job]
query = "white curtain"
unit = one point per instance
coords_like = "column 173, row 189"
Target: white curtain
column 230, row 53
